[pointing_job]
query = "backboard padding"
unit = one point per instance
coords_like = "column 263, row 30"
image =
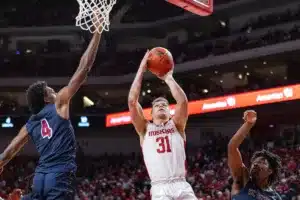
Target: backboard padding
column 199, row 7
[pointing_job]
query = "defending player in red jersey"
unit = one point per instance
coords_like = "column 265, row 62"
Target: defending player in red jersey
column 163, row 140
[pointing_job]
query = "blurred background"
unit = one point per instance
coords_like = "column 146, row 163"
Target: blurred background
column 246, row 45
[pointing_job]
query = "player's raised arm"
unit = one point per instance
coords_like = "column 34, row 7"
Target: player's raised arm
column 135, row 109
column 14, row 147
column 181, row 110
column 87, row 60
column 85, row 65
column 235, row 161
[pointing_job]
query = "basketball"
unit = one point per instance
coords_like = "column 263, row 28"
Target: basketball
column 160, row 61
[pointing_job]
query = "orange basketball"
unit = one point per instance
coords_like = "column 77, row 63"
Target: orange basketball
column 160, row 61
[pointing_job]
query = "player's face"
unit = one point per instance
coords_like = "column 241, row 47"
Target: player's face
column 50, row 95
column 161, row 110
column 260, row 169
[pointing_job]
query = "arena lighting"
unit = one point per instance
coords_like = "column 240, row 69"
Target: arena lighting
column 258, row 97
column 84, row 122
column 87, row 102
column 7, row 123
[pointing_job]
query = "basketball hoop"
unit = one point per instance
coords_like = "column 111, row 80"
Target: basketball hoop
column 93, row 15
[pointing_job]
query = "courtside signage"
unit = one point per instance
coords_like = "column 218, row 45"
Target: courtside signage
column 259, row 97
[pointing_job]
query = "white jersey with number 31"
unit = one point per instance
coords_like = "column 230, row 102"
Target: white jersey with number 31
column 164, row 152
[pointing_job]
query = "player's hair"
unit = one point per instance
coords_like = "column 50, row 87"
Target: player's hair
column 35, row 95
column 274, row 163
column 159, row 99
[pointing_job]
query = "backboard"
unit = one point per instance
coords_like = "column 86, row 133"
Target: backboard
column 199, row 7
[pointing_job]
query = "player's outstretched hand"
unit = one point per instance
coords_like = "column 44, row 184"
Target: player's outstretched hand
column 97, row 20
column 143, row 65
column 250, row 116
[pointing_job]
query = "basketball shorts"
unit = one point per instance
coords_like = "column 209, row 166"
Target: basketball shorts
column 172, row 190
column 53, row 186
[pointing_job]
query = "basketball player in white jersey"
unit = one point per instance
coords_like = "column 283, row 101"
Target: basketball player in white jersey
column 163, row 139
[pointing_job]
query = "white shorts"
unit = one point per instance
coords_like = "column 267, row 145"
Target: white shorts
column 174, row 190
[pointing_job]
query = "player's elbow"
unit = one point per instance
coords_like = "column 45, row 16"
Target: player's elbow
column 183, row 101
column 5, row 156
column 231, row 147
column 132, row 101
column 83, row 60
column 2, row 157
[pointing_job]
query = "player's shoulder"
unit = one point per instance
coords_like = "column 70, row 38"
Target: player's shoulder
column 48, row 109
column 149, row 123
column 148, row 126
column 46, row 113
column 171, row 122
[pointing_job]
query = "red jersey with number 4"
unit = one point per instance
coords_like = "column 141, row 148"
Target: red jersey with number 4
column 54, row 139
column 164, row 152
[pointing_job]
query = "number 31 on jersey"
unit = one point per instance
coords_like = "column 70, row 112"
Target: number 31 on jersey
column 164, row 145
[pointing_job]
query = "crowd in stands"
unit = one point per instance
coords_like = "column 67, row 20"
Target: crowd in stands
column 272, row 19
column 201, row 45
column 124, row 177
column 198, row 46
column 41, row 64
column 195, row 87
column 40, row 13
column 126, row 62
column 220, row 47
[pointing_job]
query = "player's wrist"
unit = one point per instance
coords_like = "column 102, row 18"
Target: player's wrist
column 169, row 78
column 142, row 69
column 249, row 124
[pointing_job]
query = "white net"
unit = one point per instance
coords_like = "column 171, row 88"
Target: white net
column 94, row 15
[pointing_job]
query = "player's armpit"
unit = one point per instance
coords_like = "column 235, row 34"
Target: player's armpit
column 181, row 116
column 137, row 117
column 240, row 182
column 239, row 171
column 14, row 147
column 62, row 103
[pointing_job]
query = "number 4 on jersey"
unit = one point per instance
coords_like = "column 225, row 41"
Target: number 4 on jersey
column 46, row 130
